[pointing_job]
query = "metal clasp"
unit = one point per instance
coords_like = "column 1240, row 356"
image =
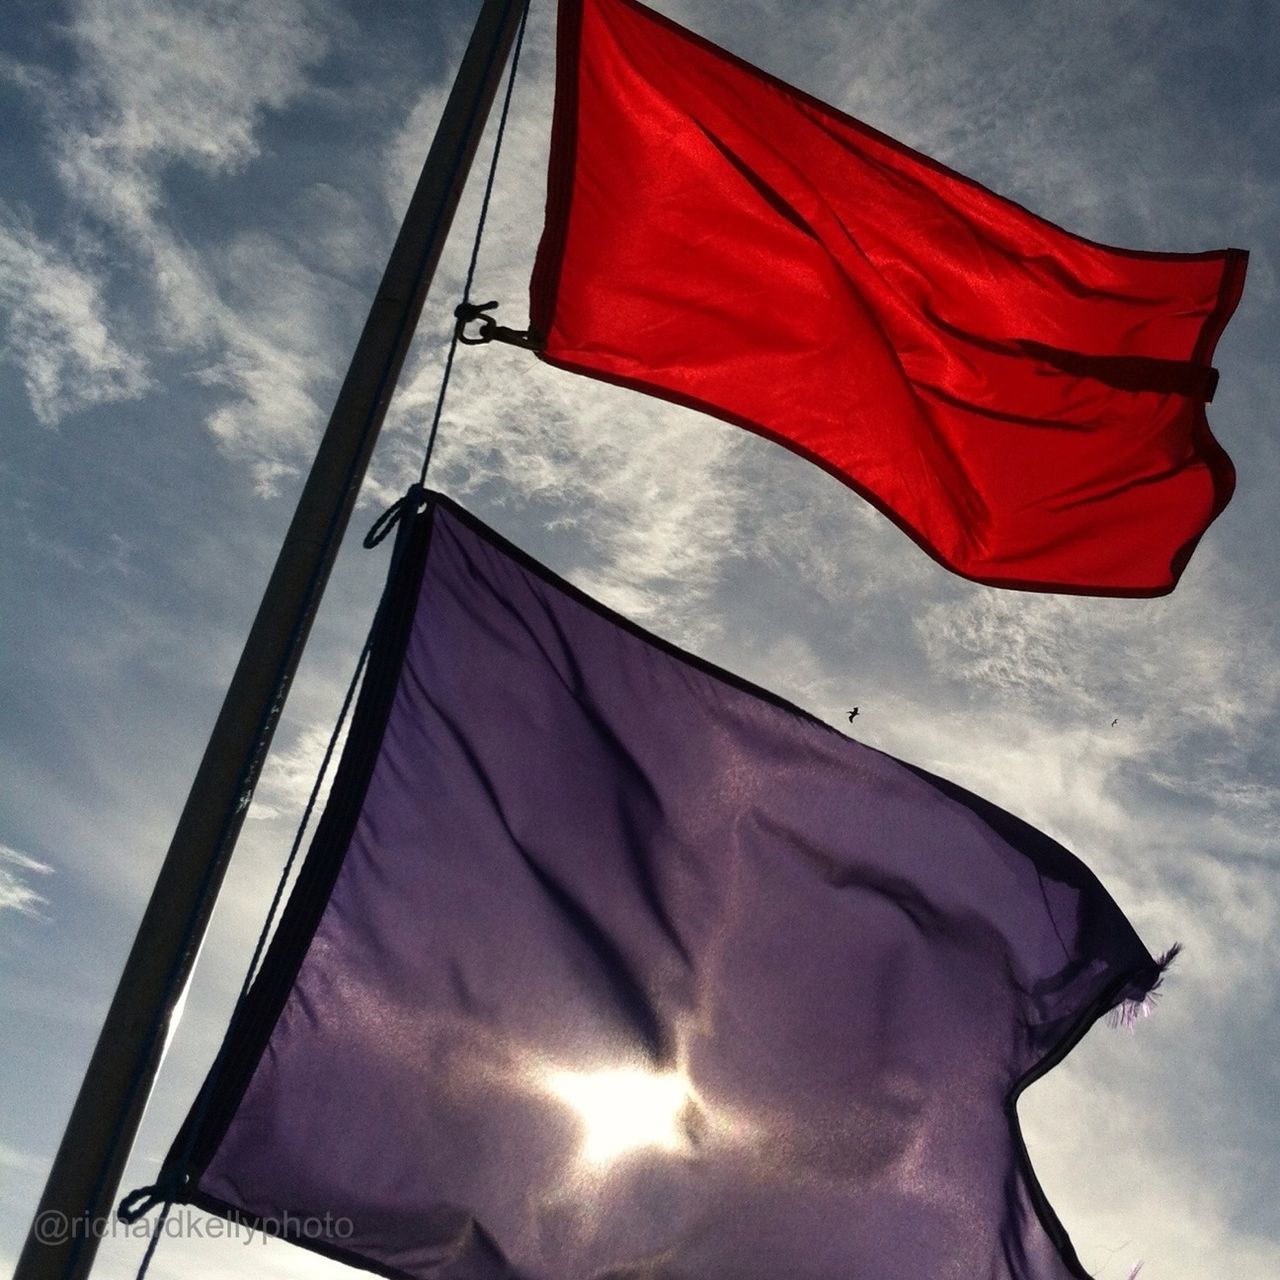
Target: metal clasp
column 490, row 330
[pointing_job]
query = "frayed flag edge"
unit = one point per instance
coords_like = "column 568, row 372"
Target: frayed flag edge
column 1130, row 1011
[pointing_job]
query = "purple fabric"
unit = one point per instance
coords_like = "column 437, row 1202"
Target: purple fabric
column 582, row 852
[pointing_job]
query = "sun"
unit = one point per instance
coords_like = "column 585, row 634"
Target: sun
column 626, row 1109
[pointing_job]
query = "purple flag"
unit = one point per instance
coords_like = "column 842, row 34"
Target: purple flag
column 606, row 965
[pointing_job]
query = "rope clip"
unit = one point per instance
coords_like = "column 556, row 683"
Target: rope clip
column 409, row 505
column 490, row 330
column 165, row 1190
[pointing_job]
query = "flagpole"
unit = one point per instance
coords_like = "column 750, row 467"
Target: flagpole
column 83, row 1182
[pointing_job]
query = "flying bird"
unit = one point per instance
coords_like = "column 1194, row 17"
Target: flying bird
column 852, row 713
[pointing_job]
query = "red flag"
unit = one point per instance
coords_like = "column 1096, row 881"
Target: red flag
column 1028, row 405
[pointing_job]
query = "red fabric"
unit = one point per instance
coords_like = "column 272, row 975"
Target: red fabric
column 1028, row 405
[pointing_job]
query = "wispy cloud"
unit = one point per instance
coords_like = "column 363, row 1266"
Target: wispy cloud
column 16, row 894
column 159, row 86
column 268, row 312
column 1092, row 115
column 58, row 329
column 158, row 83
column 1192, row 682
column 290, row 773
column 179, row 80
column 18, row 1162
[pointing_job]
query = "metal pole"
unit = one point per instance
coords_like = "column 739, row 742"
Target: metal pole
column 86, row 1171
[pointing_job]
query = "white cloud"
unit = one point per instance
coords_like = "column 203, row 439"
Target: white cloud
column 58, row 330
column 268, row 312
column 643, row 498
column 1199, row 652
column 408, row 148
column 180, row 82
column 1193, row 682
column 1095, row 1135
column 18, row 1161
column 290, row 772
column 15, row 893
column 157, row 84
column 336, row 230
column 190, row 81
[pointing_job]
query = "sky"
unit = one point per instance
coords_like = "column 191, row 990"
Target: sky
column 196, row 201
